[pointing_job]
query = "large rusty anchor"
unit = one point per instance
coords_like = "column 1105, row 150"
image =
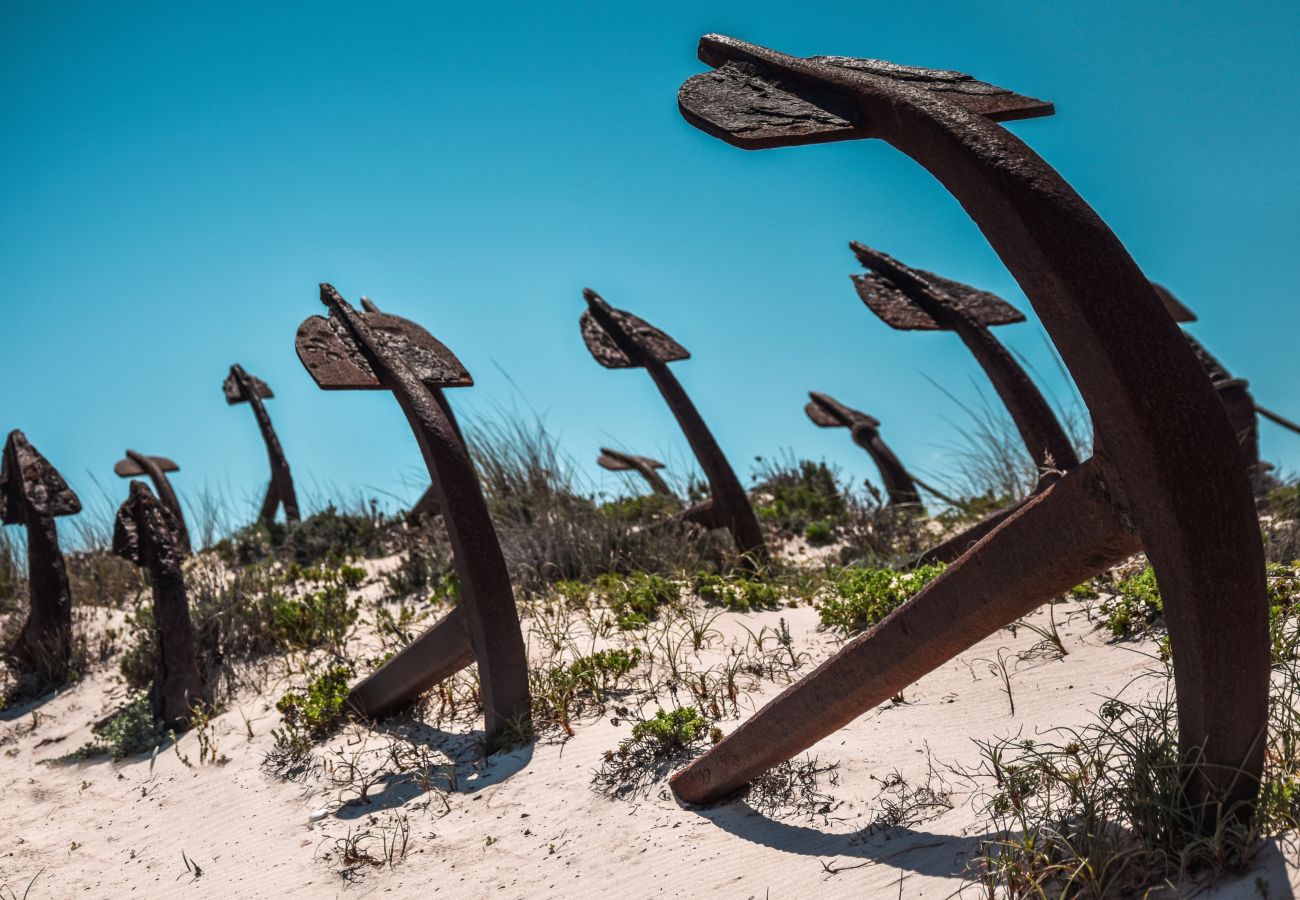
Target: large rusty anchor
column 147, row 534
column 620, row 340
column 900, row 484
column 1160, row 479
column 916, row 300
column 240, row 387
column 33, row 493
column 617, row 461
column 156, row 468
column 355, row 350
column 426, row 507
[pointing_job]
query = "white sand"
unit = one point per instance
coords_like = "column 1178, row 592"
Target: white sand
column 529, row 824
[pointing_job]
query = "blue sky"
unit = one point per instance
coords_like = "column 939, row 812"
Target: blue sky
column 177, row 178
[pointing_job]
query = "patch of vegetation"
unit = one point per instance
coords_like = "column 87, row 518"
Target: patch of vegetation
column 326, row 536
column 635, row 599
column 320, row 618
column 739, row 592
column 131, row 730
column 798, row 495
column 656, row 744
column 861, row 597
column 427, row 569
column 310, row 714
column 641, row 508
column 247, row 614
column 564, row 691
column 1136, row 607
column 1284, row 501
column 551, row 526
column 1103, row 811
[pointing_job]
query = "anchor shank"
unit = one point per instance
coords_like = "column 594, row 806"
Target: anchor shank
column 728, row 495
column 494, row 632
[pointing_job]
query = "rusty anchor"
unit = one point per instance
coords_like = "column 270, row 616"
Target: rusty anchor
column 240, row 387
column 915, row 300
column 619, row 340
column 617, row 461
column 426, row 507
column 33, row 493
column 1150, row 401
column 147, row 534
column 371, row 350
column 156, row 468
column 900, row 485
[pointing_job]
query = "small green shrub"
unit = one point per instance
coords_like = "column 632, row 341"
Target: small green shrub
column 862, row 597
column 672, row 731
column 320, row 618
column 636, row 599
column 132, row 730
column 1136, row 607
column 318, row 710
column 798, row 494
column 656, row 744
column 327, row 535
column 819, row 533
column 738, row 592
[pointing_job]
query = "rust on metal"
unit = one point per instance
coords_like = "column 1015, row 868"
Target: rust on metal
column 426, row 507
column 240, row 387
column 352, row 349
column 1150, row 401
column 147, row 534
column 914, row 299
column 33, row 493
column 620, row 340
column 617, row 461
column 827, row 412
column 156, row 468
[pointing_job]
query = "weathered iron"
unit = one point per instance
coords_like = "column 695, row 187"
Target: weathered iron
column 1160, row 479
column 147, row 534
column 426, row 507
column 617, row 461
column 827, row 412
column 371, row 350
column 240, row 387
column 156, row 468
column 915, row 300
column 33, row 493
column 620, row 340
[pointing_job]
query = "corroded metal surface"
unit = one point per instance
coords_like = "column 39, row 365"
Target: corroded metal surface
column 618, row 339
column 617, row 461
column 370, row 349
column 33, row 493
column 240, row 387
column 891, row 289
column 753, row 107
column 1161, row 479
column 146, row 534
column 427, row 505
column 827, row 412
column 156, row 468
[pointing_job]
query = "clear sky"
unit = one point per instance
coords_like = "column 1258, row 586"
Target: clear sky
column 175, row 179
